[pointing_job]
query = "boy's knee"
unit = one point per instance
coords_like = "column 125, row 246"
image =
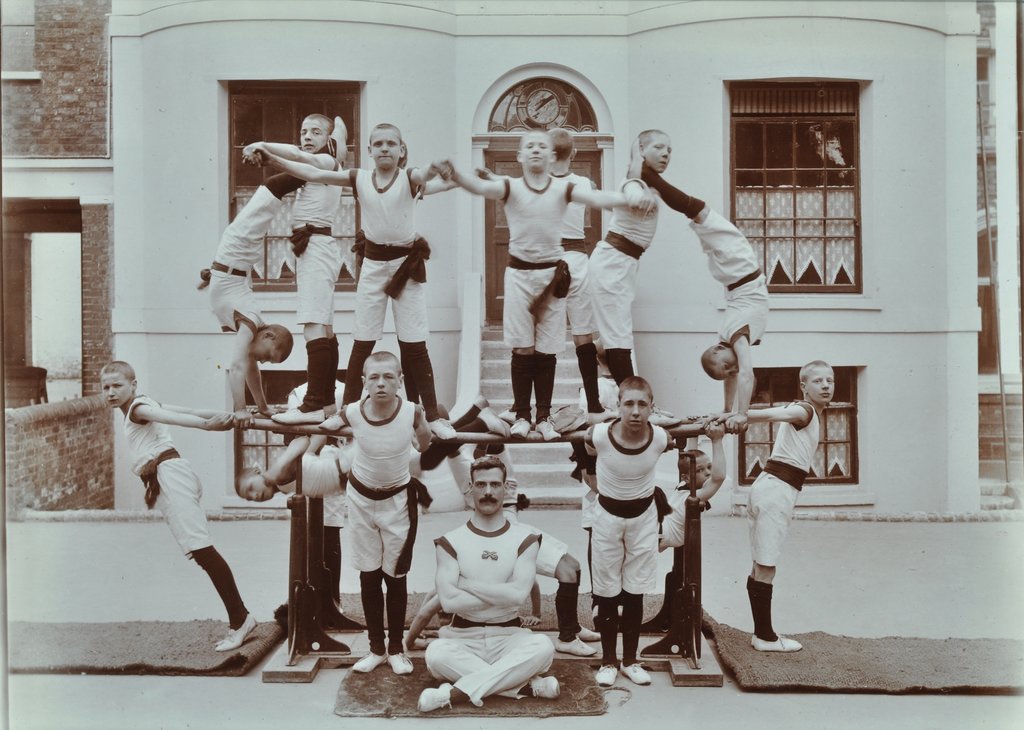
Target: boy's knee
column 567, row 569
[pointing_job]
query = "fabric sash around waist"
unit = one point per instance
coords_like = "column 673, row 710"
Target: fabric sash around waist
column 380, row 252
column 788, row 473
column 148, row 474
column 459, row 622
column 417, row 494
column 414, row 267
column 752, row 276
column 300, row 236
column 623, row 244
column 517, row 263
column 574, row 244
column 630, row 508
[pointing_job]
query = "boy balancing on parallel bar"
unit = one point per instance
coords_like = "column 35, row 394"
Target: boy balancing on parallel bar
column 172, row 484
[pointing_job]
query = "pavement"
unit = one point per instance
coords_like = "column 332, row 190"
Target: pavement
column 859, row 578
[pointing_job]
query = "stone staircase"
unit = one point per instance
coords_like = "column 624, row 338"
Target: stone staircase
column 996, row 494
column 542, row 470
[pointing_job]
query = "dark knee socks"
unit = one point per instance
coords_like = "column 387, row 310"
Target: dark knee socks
column 523, row 373
column 224, row 581
column 620, row 363
column 419, row 376
column 629, row 624
column 397, row 598
column 332, row 561
column 607, row 624
column 331, row 376
column 586, row 356
column 544, row 382
column 372, row 595
column 438, row 451
column 318, row 373
column 566, row 599
column 760, row 595
column 361, row 350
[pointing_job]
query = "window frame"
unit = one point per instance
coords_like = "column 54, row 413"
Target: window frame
column 346, row 94
column 849, row 374
column 802, row 117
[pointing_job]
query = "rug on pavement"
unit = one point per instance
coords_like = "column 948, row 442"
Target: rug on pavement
column 382, row 693
column 890, row 665
column 134, row 647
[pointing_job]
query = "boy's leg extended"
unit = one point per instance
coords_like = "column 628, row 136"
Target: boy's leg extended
column 613, row 288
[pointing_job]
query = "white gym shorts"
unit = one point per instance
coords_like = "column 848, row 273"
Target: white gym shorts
column 769, row 510
column 547, row 334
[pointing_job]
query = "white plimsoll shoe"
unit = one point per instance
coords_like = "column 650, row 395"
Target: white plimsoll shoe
column 520, row 429
column 334, row 423
column 508, row 416
column 237, row 637
column 635, row 674
column 434, row 698
column 545, row 687
column 369, row 662
column 400, row 663
column 442, row 429
column 606, row 675
column 781, row 644
column 296, row 417
column 585, row 634
column 547, row 431
column 602, row 417
column 575, row 647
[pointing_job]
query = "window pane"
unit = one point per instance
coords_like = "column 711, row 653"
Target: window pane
column 810, row 264
column 810, row 178
column 841, row 258
column 840, row 204
column 780, row 204
column 779, row 140
column 809, row 142
column 751, row 228
column 809, row 228
column 749, row 146
column 839, row 140
column 749, row 178
column 810, row 203
column 750, row 205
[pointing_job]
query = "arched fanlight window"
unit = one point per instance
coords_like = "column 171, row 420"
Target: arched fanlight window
column 542, row 103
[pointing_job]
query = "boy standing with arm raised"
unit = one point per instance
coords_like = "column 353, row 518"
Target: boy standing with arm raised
column 774, row 492
column 173, row 486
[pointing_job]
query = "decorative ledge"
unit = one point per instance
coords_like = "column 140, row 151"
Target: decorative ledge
column 21, row 76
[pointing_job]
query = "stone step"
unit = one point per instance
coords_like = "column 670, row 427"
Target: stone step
column 553, row 497
column 501, row 400
column 564, row 389
column 993, row 502
column 992, row 487
column 499, row 351
column 540, row 453
column 566, row 369
column 545, row 475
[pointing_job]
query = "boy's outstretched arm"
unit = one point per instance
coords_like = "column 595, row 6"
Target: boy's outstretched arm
column 289, row 152
column 799, row 414
column 182, row 416
column 492, row 189
column 310, row 173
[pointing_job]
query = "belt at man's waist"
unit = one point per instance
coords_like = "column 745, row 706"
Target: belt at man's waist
column 788, row 473
column 623, row 244
column 630, row 508
column 459, row 622
column 417, row 494
column 574, row 244
column 515, row 262
column 752, row 276
column 148, row 474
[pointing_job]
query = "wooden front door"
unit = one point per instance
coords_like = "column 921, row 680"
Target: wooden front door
column 503, row 162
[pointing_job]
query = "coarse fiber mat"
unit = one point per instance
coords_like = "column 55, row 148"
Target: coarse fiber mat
column 135, row 647
column 889, row 665
column 382, row 693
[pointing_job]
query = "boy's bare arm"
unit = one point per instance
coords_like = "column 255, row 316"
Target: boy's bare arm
column 182, row 416
column 715, row 432
column 310, row 173
column 245, row 371
column 282, row 469
column 321, row 160
column 492, row 189
column 421, row 430
column 793, row 413
column 744, row 380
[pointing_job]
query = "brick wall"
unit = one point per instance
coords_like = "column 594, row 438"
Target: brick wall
column 97, row 294
column 65, row 114
column 60, row 456
column 990, row 433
